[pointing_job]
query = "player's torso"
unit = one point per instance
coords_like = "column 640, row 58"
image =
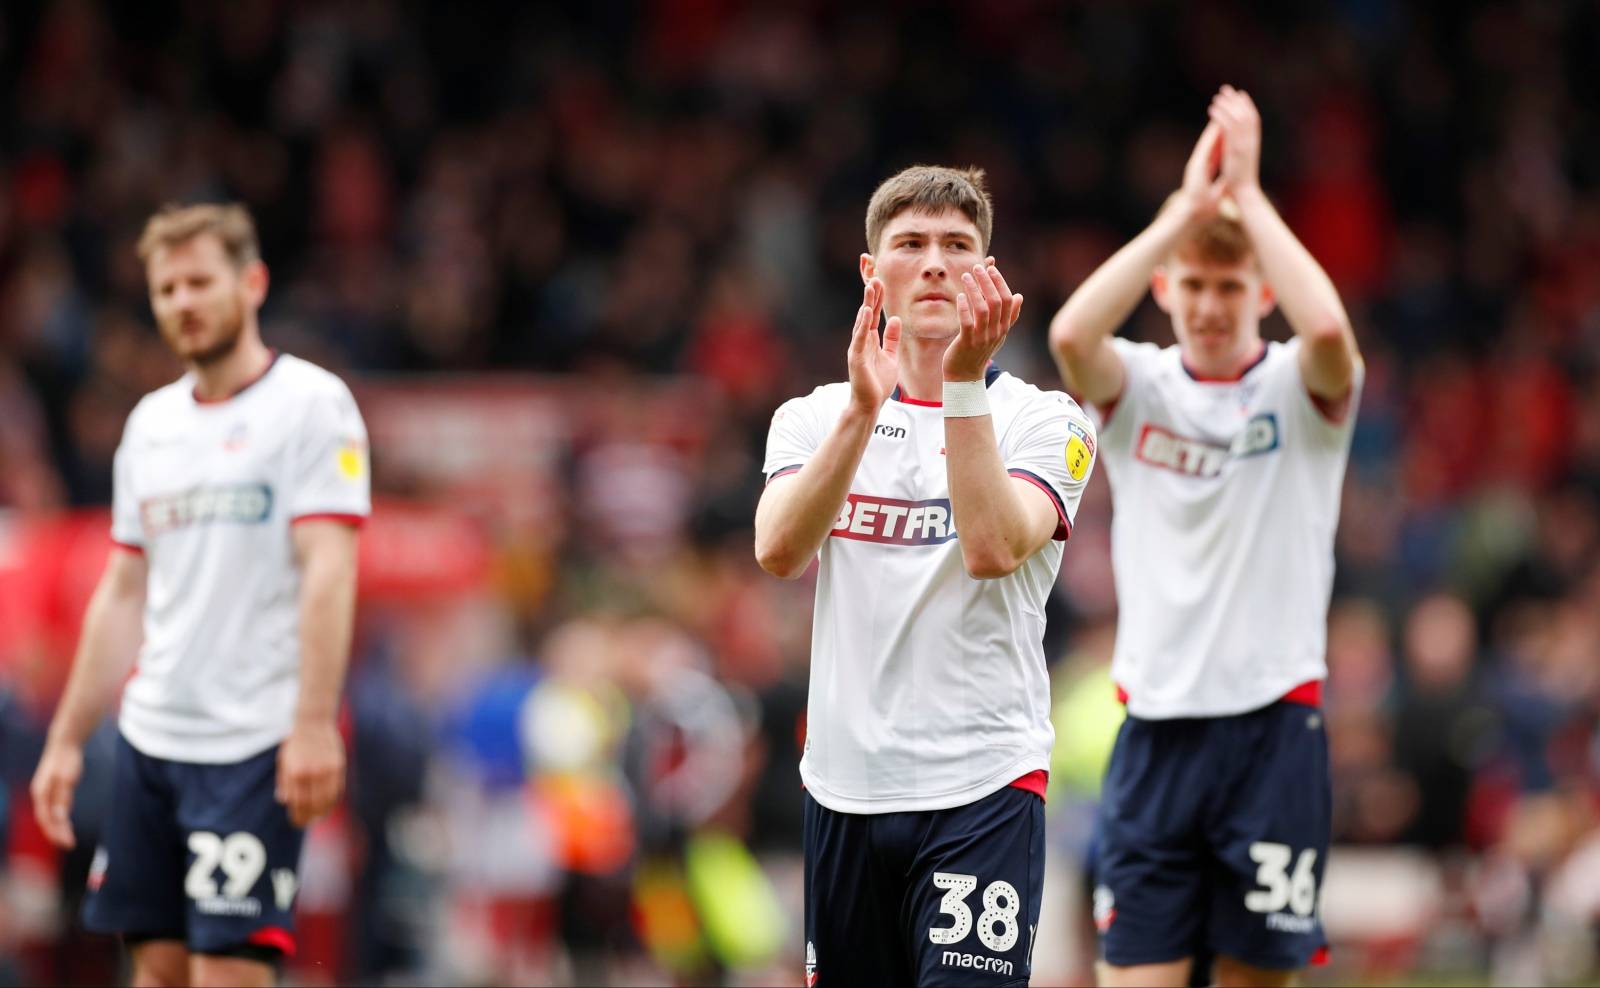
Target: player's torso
column 1225, row 499
column 1201, row 451
column 898, row 510
column 218, row 665
column 923, row 680
column 899, row 499
column 209, row 478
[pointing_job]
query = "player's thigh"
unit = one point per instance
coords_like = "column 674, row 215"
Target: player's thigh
column 852, row 928
column 219, row 971
column 1150, row 875
column 243, row 858
column 1271, row 847
column 1232, row 973
column 158, row 963
column 136, row 878
column 973, row 905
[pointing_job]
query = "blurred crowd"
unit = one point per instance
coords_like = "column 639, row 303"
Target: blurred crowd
column 578, row 764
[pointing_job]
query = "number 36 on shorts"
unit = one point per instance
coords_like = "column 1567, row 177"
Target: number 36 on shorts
column 997, row 924
column 1278, row 887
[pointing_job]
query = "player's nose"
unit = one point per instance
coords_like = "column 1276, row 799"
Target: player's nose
column 1211, row 304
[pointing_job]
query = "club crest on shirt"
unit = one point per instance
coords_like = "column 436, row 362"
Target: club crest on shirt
column 237, row 438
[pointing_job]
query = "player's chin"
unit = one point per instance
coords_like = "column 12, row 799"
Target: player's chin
column 932, row 328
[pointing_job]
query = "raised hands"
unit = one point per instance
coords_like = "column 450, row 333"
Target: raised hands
column 1234, row 114
column 987, row 309
column 874, row 366
column 1203, row 189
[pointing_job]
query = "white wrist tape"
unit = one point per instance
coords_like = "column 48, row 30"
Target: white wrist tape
column 965, row 399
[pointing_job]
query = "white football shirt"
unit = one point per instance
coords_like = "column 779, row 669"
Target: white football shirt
column 1225, row 497
column 928, row 687
column 208, row 492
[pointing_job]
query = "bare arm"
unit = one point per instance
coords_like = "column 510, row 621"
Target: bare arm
column 1304, row 291
column 1080, row 333
column 796, row 512
column 311, row 761
column 113, row 627
column 1000, row 521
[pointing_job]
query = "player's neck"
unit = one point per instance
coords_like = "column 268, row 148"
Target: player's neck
column 922, row 368
column 224, row 378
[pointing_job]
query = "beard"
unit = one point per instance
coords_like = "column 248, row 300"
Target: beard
column 230, row 330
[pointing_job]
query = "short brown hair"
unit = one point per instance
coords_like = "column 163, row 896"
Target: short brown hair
column 230, row 223
column 931, row 189
column 1222, row 238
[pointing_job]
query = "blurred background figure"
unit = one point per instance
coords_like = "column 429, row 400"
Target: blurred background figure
column 568, row 293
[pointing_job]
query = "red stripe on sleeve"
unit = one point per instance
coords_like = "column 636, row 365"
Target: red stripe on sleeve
column 1334, row 410
column 354, row 521
column 1063, row 526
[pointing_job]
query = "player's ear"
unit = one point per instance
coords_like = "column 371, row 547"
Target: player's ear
column 1268, row 302
column 1159, row 286
column 255, row 279
column 868, row 265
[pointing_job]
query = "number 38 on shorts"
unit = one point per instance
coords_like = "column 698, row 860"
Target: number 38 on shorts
column 997, row 924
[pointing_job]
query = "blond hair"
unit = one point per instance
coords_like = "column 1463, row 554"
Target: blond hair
column 230, row 223
column 1222, row 238
column 931, row 189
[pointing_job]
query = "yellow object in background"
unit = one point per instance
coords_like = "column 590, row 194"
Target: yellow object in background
column 743, row 922
column 1086, row 719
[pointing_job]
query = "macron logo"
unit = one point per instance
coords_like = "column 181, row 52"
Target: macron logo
column 889, row 521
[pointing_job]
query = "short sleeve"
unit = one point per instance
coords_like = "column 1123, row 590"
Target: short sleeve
column 1329, row 423
column 1051, row 444
column 1138, row 363
column 330, row 475
column 127, row 528
column 792, row 438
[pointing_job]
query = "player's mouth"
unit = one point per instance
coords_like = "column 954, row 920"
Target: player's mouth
column 932, row 297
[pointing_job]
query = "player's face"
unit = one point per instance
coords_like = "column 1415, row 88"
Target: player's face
column 1216, row 307
column 200, row 299
column 921, row 257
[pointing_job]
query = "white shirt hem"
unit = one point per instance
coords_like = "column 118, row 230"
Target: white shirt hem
column 840, row 803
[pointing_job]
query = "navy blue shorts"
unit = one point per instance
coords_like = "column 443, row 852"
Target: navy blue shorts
column 196, row 852
column 939, row 897
column 1212, row 838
